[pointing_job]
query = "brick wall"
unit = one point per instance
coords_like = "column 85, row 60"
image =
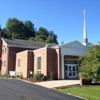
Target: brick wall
column 23, row 56
column 53, row 62
column 11, row 60
column 58, row 64
column 30, row 61
column 42, row 52
column 4, row 58
column 0, row 50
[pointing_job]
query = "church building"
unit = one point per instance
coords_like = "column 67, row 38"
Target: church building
column 23, row 56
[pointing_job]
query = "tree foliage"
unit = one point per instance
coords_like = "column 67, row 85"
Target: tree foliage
column 25, row 30
column 90, row 63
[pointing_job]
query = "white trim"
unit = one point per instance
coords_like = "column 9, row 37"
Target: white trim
column 18, row 62
column 37, row 63
column 39, row 49
column 39, row 55
column 21, row 52
column 4, row 41
column 62, row 66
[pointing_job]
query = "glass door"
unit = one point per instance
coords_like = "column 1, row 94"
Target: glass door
column 71, row 70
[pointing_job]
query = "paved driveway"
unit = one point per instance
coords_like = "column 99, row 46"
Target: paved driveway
column 12, row 89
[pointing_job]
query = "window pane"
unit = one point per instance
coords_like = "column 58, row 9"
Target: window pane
column 18, row 62
column 71, row 61
column 39, row 63
column 65, row 67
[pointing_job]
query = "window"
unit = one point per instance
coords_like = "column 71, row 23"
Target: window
column 19, row 62
column 39, row 64
column 5, row 50
column 2, row 51
column 71, row 61
column 4, row 63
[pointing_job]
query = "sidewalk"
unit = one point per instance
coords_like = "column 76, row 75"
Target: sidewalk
column 57, row 83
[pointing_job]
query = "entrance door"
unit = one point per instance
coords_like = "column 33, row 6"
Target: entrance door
column 71, row 70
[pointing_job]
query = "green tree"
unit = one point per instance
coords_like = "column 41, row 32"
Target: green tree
column 43, row 32
column 19, row 29
column 29, row 29
column 90, row 63
column 31, row 39
column 43, row 35
column 26, row 30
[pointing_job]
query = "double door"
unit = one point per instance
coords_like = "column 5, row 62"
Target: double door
column 71, row 70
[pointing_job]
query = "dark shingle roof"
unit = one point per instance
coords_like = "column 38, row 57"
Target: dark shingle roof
column 26, row 43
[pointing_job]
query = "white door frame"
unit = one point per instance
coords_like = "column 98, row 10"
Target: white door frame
column 71, row 65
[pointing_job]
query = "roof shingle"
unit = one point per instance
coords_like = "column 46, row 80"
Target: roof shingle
column 26, row 43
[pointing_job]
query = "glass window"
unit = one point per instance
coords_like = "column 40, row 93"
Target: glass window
column 65, row 67
column 4, row 63
column 5, row 50
column 71, row 61
column 2, row 51
column 39, row 63
column 19, row 62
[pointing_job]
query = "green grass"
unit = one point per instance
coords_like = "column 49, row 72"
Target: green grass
column 89, row 92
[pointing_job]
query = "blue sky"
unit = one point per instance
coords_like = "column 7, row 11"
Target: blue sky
column 64, row 17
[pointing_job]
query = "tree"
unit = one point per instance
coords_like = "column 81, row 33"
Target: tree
column 43, row 35
column 29, row 29
column 19, row 29
column 26, row 30
column 43, row 32
column 90, row 63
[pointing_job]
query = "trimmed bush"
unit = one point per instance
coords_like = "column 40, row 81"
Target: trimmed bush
column 21, row 76
column 38, row 76
column 7, row 76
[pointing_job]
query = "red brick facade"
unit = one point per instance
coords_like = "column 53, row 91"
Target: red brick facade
column 50, row 60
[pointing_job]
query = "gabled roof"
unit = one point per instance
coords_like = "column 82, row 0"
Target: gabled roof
column 25, row 43
column 70, row 44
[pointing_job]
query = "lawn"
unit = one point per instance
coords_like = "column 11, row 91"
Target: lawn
column 89, row 92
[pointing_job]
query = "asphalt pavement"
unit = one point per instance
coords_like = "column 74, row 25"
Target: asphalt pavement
column 13, row 89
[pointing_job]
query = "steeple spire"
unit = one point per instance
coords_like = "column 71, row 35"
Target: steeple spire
column 85, row 40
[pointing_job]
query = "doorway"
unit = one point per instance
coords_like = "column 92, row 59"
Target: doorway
column 71, row 68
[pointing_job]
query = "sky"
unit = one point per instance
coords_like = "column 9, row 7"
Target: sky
column 64, row 17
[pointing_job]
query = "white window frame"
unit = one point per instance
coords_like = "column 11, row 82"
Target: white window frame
column 4, row 63
column 38, row 70
column 2, row 51
column 19, row 62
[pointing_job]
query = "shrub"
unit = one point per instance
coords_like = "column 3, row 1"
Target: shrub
column 12, row 76
column 7, row 76
column 21, row 76
column 38, row 76
column 17, row 76
column 2, row 75
column 51, row 76
column 30, row 75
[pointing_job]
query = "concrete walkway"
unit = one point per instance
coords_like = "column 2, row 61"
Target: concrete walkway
column 57, row 83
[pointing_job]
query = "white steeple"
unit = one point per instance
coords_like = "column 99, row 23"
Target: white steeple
column 85, row 40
